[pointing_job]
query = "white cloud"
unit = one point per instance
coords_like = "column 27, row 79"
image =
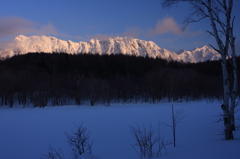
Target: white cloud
column 129, row 32
column 11, row 26
column 166, row 25
column 14, row 26
column 48, row 29
column 132, row 32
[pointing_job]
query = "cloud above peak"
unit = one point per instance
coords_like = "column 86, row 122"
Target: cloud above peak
column 13, row 26
column 10, row 26
column 163, row 26
column 47, row 29
column 166, row 25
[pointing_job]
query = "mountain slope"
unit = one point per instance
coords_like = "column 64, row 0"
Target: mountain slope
column 199, row 55
column 117, row 45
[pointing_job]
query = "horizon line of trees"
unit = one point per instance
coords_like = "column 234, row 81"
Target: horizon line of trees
column 42, row 79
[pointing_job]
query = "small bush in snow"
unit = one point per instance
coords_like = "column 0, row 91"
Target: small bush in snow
column 79, row 141
column 149, row 144
column 54, row 154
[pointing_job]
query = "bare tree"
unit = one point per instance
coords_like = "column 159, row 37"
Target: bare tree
column 176, row 116
column 149, row 144
column 76, row 80
column 79, row 141
column 54, row 154
column 219, row 13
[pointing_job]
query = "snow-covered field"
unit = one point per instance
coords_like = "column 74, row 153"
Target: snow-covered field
column 26, row 133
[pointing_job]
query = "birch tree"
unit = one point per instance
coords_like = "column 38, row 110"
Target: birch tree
column 219, row 14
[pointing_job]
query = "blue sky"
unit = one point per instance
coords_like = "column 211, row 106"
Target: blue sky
column 81, row 20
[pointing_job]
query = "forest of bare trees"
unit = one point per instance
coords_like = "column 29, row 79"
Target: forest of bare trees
column 41, row 79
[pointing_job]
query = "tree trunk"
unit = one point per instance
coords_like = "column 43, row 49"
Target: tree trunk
column 228, row 114
column 235, row 81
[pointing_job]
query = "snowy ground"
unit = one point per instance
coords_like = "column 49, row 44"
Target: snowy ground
column 26, row 133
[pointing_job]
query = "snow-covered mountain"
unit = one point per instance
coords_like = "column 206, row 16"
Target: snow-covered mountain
column 118, row 45
column 199, row 55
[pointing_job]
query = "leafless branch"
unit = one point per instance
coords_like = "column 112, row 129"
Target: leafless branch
column 176, row 116
column 54, row 154
column 189, row 20
column 79, row 141
column 149, row 144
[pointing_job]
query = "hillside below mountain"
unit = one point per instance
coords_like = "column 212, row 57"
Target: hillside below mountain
column 118, row 45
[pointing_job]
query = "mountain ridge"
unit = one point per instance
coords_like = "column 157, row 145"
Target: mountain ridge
column 118, row 45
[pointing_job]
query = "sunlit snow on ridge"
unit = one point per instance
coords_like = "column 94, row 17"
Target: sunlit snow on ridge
column 118, row 45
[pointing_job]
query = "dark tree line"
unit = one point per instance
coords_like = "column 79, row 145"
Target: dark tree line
column 41, row 79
